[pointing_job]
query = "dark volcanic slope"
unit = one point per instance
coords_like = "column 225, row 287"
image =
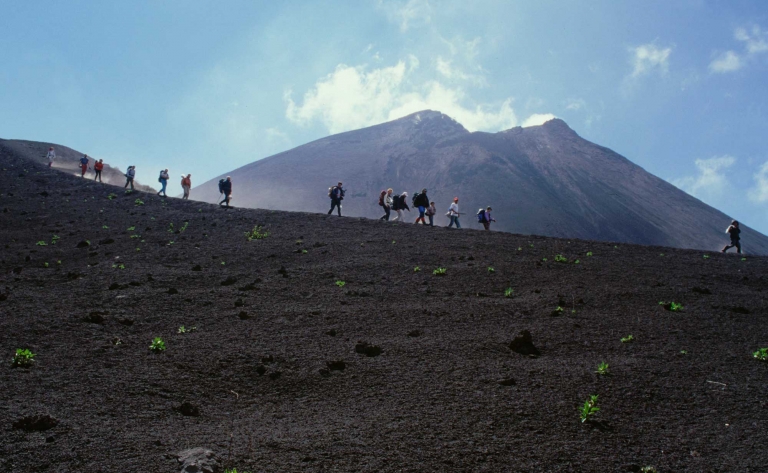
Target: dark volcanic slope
column 543, row 180
column 67, row 160
column 433, row 400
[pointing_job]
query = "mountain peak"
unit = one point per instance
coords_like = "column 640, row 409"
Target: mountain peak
column 433, row 118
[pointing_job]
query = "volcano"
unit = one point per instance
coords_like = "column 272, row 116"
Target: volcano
column 541, row 180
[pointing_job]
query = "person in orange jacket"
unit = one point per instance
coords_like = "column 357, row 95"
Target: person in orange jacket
column 186, row 184
column 98, row 166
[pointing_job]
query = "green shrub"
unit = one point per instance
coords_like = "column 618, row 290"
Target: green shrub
column 589, row 253
column 491, row 270
column 560, row 259
column 602, row 368
column 157, row 345
column 256, row 234
column 23, row 358
column 41, row 243
column 509, row 292
column 761, row 354
column 627, row 339
column 589, row 409
column 341, row 283
column 672, row 306
column 138, row 202
column 439, row 272
column 416, row 269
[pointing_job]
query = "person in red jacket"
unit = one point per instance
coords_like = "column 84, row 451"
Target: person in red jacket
column 186, row 184
column 98, row 166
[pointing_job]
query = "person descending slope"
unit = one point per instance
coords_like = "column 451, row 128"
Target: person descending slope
column 186, row 184
column 83, row 165
column 336, row 193
column 484, row 217
column 734, row 231
column 51, row 156
column 421, row 202
column 400, row 204
column 98, row 166
column 453, row 213
column 163, row 180
column 129, row 175
column 225, row 187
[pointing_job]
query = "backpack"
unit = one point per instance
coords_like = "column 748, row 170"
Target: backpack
column 415, row 199
column 330, row 192
column 221, row 185
column 481, row 215
column 381, row 198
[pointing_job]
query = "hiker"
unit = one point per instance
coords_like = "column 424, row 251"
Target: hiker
column 400, row 204
column 186, row 184
column 453, row 213
column 83, row 165
column 431, row 212
column 163, row 180
column 421, row 202
column 129, row 175
column 336, row 193
column 51, row 156
column 385, row 200
column 98, row 166
column 484, row 217
column 733, row 230
column 225, row 187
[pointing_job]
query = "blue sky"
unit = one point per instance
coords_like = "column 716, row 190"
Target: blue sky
column 204, row 87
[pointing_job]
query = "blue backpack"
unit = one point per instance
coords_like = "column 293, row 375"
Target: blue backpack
column 481, row 215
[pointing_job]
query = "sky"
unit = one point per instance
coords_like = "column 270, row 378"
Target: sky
column 204, row 87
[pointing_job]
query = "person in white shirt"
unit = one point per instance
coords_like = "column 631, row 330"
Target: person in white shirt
column 453, row 213
column 51, row 156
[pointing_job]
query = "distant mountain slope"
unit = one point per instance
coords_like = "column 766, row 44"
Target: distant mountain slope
column 67, row 160
column 543, row 180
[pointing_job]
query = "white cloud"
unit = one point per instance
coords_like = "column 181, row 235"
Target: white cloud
column 407, row 13
column 575, row 104
column 711, row 181
column 353, row 97
column 447, row 69
column 538, row 119
column 759, row 193
column 647, row 58
column 755, row 42
column 728, row 61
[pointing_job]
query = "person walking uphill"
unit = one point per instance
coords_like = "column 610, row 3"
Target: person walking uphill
column 129, row 175
column 225, row 187
column 453, row 213
column 98, row 166
column 421, row 202
column 431, row 212
column 400, row 204
column 336, row 193
column 51, row 156
column 186, row 184
column 83, row 165
column 163, row 180
column 385, row 200
column 734, row 231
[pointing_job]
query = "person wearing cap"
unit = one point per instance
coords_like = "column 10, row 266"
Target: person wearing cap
column 734, row 231
column 421, row 202
column 98, row 166
column 226, row 189
column 487, row 219
column 336, row 194
column 83, row 165
column 51, row 156
column 186, row 184
column 453, row 213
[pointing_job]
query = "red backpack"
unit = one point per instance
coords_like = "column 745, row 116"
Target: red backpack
column 381, row 198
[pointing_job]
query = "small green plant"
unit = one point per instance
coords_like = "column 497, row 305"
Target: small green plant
column 491, row 270
column 627, row 339
column 23, row 358
column 130, row 229
column 118, row 266
column 170, row 227
column 519, row 248
column 509, row 292
column 576, row 262
column 672, row 306
column 112, row 196
column 104, row 227
column 761, row 354
column 544, row 259
column 645, row 469
column 589, row 253
column 743, row 259
column 157, row 345
column 706, row 256
column 683, row 352
column 256, row 234
column 183, row 227
column 304, row 252
column 234, row 470
column 394, row 242
column 138, row 202
column 560, row 259
column 589, row 409
column 340, row 283
column 439, row 272
column 416, row 269
column 661, row 254
column 223, row 263
column 184, row 329
column 135, row 236
column 45, row 264
column 41, row 243
column 55, row 239
column 558, row 310
column 602, row 368
column 58, row 262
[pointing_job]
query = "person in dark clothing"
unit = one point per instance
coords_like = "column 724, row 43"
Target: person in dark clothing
column 733, row 231
column 129, row 175
column 385, row 200
column 399, row 205
column 336, row 193
column 421, row 202
column 486, row 218
column 226, row 189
